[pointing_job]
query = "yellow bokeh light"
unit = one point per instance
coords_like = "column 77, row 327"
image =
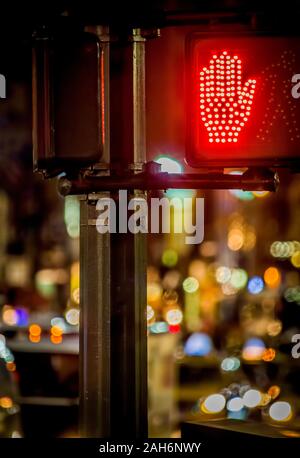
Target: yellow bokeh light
column 34, row 339
column 295, row 259
column 76, row 295
column 56, row 331
column 260, row 194
column 274, row 391
column 6, row 402
column 289, row 433
column 35, row 330
column 272, row 277
column 154, row 292
column 265, row 399
column 235, row 239
column 268, row 355
column 250, row 240
column 274, row 328
column 56, row 339
column 10, row 316
column 10, row 366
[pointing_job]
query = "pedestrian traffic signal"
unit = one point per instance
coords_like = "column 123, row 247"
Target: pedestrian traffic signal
column 242, row 106
column 67, row 100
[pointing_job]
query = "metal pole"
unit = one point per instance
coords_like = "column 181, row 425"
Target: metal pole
column 95, row 303
column 128, row 251
column 113, row 335
column 94, row 324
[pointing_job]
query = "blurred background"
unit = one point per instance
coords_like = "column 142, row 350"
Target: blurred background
column 221, row 315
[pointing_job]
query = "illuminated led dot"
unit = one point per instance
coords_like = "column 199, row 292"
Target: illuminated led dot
column 235, row 140
column 223, row 140
column 211, row 140
column 229, row 139
column 217, row 140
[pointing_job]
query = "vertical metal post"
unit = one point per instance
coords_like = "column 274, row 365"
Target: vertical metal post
column 128, row 251
column 113, row 336
column 95, row 292
column 94, row 324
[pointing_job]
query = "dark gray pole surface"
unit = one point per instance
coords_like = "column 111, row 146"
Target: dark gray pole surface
column 113, row 336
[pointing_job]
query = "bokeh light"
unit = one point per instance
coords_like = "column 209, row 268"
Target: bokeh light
column 239, row 278
column 223, row 274
column 252, row 398
column 272, row 277
column 169, row 258
column 174, row 316
column 235, row 404
column 255, row 285
column 295, row 259
column 280, row 411
column 169, row 164
column 72, row 316
column 253, row 349
column 230, row 364
column 150, row 313
column 190, row 285
column 214, row 403
column 268, row 355
column 198, row 344
column 274, row 391
column 9, row 316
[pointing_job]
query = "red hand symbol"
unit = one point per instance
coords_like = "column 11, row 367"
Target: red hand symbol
column 224, row 105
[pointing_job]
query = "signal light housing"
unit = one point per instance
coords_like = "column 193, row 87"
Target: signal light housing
column 66, row 98
column 240, row 106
